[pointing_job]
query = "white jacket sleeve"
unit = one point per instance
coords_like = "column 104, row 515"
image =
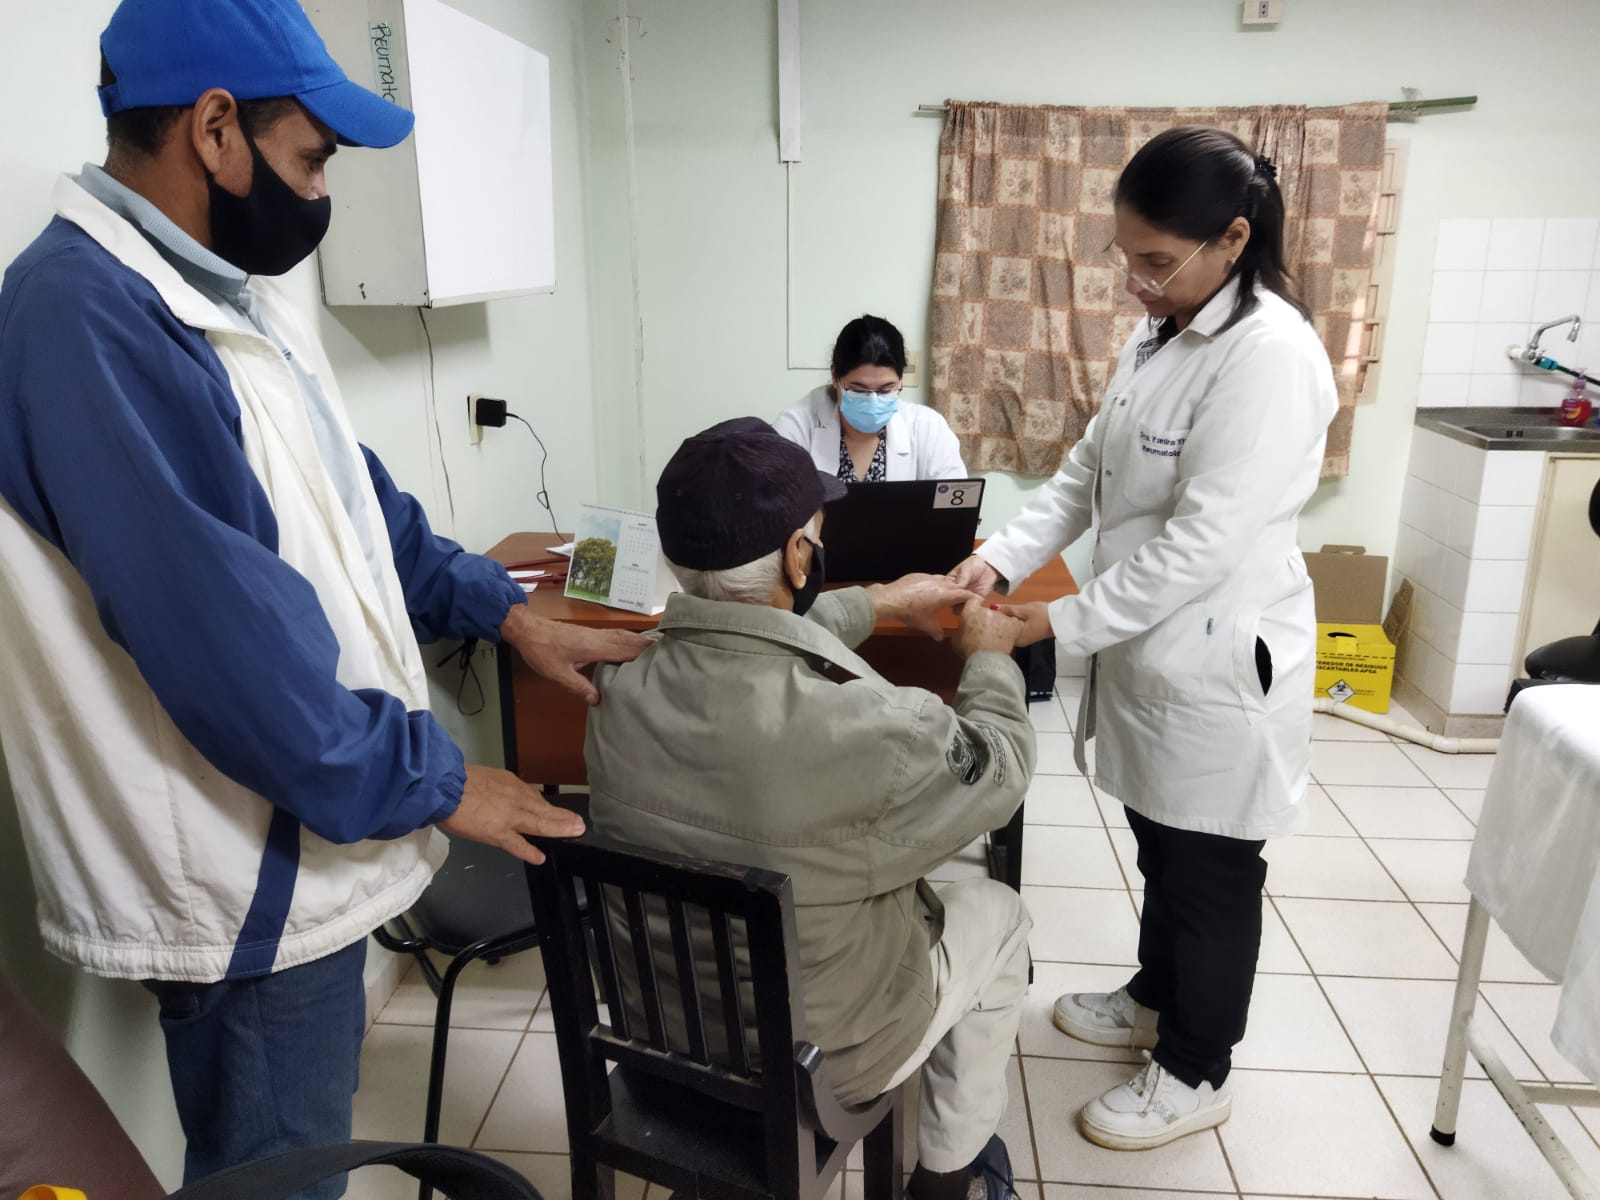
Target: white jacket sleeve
column 1055, row 518
column 795, row 425
column 1256, row 433
column 942, row 455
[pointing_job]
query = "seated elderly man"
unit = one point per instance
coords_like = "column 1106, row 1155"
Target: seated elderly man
column 733, row 739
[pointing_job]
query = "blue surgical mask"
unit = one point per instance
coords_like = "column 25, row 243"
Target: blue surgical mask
column 867, row 412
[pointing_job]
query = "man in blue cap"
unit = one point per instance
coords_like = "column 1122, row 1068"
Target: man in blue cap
column 215, row 716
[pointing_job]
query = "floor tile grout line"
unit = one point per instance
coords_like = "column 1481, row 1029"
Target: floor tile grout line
column 1360, row 1057
column 477, row 1133
column 1421, row 916
column 1027, row 1109
column 1227, row 1160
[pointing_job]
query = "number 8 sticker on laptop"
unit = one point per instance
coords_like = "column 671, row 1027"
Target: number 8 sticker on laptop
column 963, row 493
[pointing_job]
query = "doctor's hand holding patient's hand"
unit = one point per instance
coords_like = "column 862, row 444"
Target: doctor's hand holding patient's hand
column 559, row 651
column 917, row 601
column 975, row 575
column 497, row 809
column 1035, row 620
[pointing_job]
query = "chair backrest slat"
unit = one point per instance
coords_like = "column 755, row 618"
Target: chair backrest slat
column 688, row 982
column 606, row 956
column 728, row 983
column 644, row 961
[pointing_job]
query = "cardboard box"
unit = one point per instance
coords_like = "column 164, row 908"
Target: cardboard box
column 1355, row 658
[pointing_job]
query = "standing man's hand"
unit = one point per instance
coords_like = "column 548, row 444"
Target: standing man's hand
column 985, row 627
column 497, row 809
column 976, row 575
column 559, row 651
column 917, row 601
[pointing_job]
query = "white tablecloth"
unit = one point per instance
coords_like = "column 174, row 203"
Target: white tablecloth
column 1536, row 862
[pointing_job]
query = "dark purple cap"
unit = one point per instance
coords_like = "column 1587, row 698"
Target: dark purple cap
column 735, row 493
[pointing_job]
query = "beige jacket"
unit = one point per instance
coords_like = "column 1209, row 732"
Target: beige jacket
column 726, row 740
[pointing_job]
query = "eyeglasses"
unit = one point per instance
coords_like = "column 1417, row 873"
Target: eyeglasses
column 1144, row 283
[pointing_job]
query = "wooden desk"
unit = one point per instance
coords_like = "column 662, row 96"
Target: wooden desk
column 542, row 725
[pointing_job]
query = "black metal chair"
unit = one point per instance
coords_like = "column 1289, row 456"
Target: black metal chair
column 689, row 956
column 1573, row 659
column 460, row 1174
column 476, row 907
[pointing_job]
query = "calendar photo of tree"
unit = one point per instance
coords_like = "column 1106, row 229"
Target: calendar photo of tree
column 593, row 560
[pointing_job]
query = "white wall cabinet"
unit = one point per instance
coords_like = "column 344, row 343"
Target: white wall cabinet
column 463, row 210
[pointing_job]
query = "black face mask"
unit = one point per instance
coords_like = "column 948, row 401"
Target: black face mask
column 806, row 594
column 272, row 228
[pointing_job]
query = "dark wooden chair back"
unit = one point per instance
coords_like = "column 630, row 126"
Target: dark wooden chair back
column 673, row 1084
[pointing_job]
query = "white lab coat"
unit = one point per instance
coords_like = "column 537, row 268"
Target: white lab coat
column 918, row 445
column 1194, row 472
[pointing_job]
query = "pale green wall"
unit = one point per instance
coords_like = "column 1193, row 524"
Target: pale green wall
column 712, row 189
column 712, row 247
column 533, row 352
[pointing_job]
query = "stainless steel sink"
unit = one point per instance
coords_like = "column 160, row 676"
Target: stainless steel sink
column 1562, row 433
column 1535, row 429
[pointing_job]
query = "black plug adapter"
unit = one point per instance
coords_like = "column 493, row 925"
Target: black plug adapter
column 489, row 413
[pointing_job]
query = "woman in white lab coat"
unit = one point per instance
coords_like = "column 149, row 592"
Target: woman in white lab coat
column 858, row 427
column 1199, row 613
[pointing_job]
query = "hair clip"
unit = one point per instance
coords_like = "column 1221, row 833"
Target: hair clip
column 1265, row 166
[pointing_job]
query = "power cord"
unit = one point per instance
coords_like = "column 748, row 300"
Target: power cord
column 433, row 409
column 469, row 669
column 544, row 494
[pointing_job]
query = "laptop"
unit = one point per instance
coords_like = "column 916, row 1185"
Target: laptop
column 881, row 531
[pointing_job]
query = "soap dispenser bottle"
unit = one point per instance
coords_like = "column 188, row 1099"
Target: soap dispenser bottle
column 1575, row 409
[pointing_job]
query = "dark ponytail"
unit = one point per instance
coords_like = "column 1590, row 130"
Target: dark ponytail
column 869, row 341
column 1192, row 182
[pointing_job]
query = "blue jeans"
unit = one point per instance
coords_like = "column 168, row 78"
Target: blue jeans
column 264, row 1065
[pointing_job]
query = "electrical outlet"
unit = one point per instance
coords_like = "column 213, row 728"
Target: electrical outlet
column 1263, row 12
column 474, row 430
column 913, row 376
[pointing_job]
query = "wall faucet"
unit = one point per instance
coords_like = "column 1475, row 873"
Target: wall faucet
column 1531, row 352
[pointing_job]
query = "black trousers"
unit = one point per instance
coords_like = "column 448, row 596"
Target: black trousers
column 1198, row 941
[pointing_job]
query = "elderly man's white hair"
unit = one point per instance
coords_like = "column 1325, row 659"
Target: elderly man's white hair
column 754, row 582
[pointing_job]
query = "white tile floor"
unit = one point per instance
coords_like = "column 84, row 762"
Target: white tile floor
column 1334, row 1083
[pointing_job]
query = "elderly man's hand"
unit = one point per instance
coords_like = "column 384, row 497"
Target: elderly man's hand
column 987, row 627
column 1035, row 620
column 497, row 809
column 917, row 601
column 559, row 651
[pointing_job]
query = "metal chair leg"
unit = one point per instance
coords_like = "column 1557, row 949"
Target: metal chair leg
column 497, row 946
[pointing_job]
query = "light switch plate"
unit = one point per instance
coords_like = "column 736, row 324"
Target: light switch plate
column 1263, row 12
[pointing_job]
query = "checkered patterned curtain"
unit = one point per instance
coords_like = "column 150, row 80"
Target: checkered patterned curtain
column 1027, row 314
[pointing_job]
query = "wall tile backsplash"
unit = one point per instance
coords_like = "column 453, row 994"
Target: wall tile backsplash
column 1493, row 281
column 1466, row 528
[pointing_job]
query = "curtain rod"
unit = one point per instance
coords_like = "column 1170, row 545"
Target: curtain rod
column 1399, row 108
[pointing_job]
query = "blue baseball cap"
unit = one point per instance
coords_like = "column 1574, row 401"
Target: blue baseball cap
column 170, row 52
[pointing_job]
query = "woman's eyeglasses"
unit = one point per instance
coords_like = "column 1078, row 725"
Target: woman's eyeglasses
column 1144, row 283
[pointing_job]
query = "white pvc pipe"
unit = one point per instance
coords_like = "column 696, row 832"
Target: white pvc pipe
column 1411, row 733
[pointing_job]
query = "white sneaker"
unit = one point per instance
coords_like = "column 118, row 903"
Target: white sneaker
column 1107, row 1019
column 1152, row 1109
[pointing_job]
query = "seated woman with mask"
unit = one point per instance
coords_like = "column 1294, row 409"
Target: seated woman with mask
column 857, row 426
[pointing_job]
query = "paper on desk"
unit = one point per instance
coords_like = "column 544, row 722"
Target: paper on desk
column 565, row 549
column 528, row 587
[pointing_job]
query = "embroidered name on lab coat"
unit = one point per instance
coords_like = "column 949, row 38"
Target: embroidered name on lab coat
column 1161, row 447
